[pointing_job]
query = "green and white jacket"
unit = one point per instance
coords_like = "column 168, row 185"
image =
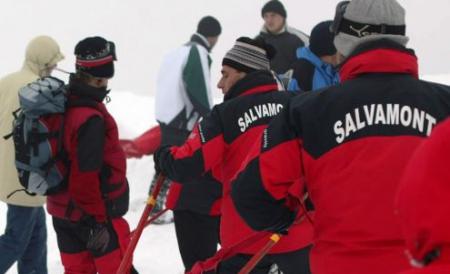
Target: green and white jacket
column 183, row 93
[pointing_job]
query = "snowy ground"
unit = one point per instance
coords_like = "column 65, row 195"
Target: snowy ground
column 157, row 251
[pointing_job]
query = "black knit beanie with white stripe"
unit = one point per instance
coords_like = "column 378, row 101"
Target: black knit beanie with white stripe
column 248, row 55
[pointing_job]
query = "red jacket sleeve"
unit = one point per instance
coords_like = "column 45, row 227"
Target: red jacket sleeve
column 200, row 154
column 86, row 160
column 265, row 192
column 423, row 195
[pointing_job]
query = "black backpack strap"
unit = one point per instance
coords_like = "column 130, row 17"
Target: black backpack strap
column 19, row 190
column 14, row 113
column 7, row 136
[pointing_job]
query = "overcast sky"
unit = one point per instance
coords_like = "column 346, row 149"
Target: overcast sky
column 144, row 30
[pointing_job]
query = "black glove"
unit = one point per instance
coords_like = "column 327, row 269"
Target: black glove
column 99, row 237
column 157, row 157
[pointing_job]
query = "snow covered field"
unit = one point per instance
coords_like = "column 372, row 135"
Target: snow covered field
column 157, row 250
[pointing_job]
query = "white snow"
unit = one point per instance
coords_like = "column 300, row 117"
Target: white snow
column 157, row 251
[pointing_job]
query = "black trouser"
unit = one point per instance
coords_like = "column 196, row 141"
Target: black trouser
column 296, row 262
column 197, row 236
column 72, row 240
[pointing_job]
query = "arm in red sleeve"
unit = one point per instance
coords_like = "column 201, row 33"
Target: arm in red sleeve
column 262, row 192
column 202, row 151
column 86, row 163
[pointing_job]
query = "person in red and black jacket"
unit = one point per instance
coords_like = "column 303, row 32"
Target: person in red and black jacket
column 348, row 146
column 423, row 206
column 87, row 216
column 220, row 143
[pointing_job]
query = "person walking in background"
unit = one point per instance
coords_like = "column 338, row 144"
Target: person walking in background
column 88, row 215
column 315, row 67
column 283, row 38
column 348, row 146
column 25, row 237
column 423, row 206
column 183, row 96
column 220, row 143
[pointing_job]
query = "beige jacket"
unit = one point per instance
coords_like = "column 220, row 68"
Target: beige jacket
column 42, row 53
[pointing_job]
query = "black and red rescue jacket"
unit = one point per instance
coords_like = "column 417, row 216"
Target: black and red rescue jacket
column 349, row 145
column 219, row 145
column 97, row 184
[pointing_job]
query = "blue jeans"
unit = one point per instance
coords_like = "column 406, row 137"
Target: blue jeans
column 24, row 241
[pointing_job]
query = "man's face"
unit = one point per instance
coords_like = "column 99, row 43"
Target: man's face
column 229, row 77
column 339, row 58
column 273, row 22
column 212, row 41
column 331, row 59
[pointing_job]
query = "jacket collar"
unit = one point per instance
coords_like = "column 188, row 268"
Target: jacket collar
column 265, row 31
column 254, row 82
column 382, row 56
column 201, row 40
column 306, row 53
column 82, row 90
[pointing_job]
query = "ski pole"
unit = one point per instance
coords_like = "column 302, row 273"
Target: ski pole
column 151, row 220
column 225, row 253
column 274, row 238
column 254, row 260
column 151, row 201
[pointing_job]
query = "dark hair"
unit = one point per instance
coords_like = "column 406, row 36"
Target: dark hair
column 209, row 27
column 321, row 39
column 274, row 6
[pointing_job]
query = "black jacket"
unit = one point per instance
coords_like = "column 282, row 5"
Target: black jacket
column 285, row 44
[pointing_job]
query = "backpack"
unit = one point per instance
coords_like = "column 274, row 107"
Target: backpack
column 38, row 128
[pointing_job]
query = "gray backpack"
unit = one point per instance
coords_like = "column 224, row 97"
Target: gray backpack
column 38, row 137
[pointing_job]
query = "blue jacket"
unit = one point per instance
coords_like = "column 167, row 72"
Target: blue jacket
column 311, row 73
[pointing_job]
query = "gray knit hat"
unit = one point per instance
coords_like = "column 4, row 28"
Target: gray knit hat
column 248, row 55
column 364, row 18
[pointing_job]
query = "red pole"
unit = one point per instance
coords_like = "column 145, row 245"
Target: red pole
column 273, row 241
column 152, row 219
column 125, row 265
column 261, row 253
